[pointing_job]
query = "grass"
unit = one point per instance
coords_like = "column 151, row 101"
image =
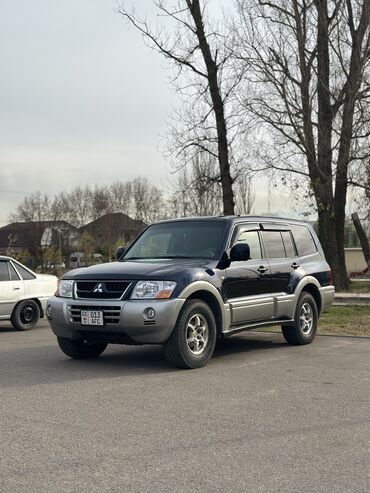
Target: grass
column 346, row 320
column 342, row 320
column 359, row 287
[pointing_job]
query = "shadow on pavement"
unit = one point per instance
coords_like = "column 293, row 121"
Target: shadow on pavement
column 47, row 364
column 6, row 327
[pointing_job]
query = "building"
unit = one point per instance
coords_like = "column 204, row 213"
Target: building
column 111, row 229
column 34, row 237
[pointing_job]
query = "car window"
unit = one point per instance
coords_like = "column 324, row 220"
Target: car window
column 288, row 244
column 303, row 240
column 4, row 273
column 252, row 238
column 13, row 274
column 25, row 273
column 273, row 242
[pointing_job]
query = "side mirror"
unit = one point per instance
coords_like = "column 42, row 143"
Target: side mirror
column 240, row 251
column 120, row 251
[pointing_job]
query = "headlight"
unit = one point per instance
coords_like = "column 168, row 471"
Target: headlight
column 65, row 289
column 153, row 290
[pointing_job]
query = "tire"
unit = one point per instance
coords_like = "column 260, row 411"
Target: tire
column 25, row 315
column 305, row 322
column 80, row 348
column 192, row 342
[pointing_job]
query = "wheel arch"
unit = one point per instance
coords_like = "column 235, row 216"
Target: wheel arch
column 208, row 293
column 36, row 300
column 212, row 302
column 312, row 286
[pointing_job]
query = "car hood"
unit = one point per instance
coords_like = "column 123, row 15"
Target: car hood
column 139, row 269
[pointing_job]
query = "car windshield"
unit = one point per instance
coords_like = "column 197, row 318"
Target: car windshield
column 183, row 239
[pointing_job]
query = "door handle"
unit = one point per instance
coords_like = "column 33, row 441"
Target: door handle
column 295, row 265
column 16, row 289
column 262, row 269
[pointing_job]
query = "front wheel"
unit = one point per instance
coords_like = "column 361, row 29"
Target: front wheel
column 25, row 315
column 305, row 322
column 80, row 348
column 193, row 339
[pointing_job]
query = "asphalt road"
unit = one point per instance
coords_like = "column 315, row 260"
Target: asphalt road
column 260, row 417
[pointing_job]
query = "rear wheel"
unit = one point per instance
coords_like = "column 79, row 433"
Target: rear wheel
column 305, row 322
column 193, row 339
column 25, row 315
column 80, row 348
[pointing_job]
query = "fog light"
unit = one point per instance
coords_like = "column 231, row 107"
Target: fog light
column 149, row 313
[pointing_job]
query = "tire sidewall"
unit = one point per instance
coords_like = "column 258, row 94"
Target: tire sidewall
column 306, row 298
column 16, row 316
column 197, row 360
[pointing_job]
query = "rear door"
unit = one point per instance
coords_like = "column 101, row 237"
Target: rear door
column 11, row 288
column 284, row 266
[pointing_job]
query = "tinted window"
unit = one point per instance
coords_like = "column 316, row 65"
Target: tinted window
column 4, row 273
column 303, row 240
column 187, row 239
column 13, row 275
column 273, row 244
column 252, row 238
column 288, row 244
column 26, row 274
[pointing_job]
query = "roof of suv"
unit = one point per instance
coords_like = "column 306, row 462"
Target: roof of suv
column 236, row 218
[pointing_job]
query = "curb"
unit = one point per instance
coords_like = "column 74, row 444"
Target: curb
column 361, row 299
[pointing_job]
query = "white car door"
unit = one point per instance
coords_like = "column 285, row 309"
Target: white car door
column 11, row 289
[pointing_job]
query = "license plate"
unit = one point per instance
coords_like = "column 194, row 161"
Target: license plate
column 92, row 317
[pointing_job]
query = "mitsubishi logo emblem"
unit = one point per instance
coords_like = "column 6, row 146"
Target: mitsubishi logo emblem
column 98, row 288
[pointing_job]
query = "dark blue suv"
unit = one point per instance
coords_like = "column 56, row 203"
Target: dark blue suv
column 183, row 283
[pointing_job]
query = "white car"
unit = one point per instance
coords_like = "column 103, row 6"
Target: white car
column 23, row 294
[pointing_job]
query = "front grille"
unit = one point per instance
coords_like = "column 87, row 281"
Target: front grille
column 111, row 314
column 101, row 290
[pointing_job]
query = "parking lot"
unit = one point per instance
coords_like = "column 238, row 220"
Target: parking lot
column 261, row 416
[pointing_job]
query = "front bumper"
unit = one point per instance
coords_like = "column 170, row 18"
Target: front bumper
column 127, row 319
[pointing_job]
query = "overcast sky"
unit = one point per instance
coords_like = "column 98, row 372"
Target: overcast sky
column 82, row 99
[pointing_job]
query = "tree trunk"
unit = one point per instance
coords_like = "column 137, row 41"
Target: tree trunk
column 327, row 235
column 218, row 109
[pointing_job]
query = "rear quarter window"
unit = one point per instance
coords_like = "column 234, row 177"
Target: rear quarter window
column 25, row 273
column 303, row 239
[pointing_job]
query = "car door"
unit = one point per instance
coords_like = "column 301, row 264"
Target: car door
column 11, row 289
column 246, row 284
column 284, row 263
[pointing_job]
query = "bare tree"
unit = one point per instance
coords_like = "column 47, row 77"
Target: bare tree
column 200, row 56
column 245, row 195
column 121, row 196
column 309, row 91
column 74, row 207
column 197, row 190
column 35, row 207
column 147, row 203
